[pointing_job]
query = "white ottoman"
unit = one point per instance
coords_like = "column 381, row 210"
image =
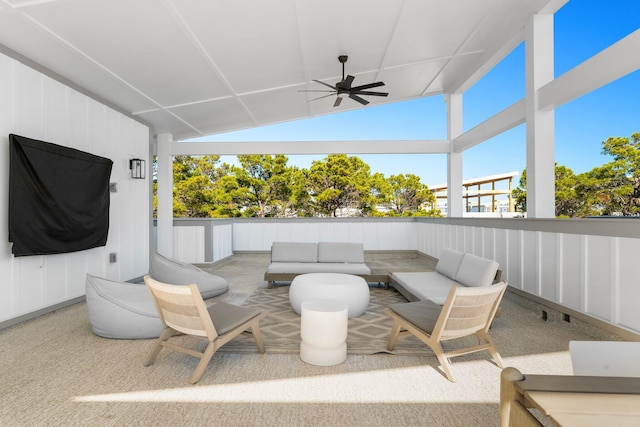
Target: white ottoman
column 346, row 288
column 323, row 328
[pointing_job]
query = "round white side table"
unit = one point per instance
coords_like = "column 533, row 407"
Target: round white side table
column 323, row 328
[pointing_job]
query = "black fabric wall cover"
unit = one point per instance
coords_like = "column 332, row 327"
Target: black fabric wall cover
column 58, row 198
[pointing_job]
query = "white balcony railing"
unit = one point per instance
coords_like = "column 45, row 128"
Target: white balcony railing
column 588, row 265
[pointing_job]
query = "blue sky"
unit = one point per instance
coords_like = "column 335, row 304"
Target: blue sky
column 582, row 28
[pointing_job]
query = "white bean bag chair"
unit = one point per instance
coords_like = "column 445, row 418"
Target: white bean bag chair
column 121, row 310
column 175, row 272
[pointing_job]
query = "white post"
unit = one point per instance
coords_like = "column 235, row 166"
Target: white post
column 540, row 123
column 455, row 203
column 164, row 228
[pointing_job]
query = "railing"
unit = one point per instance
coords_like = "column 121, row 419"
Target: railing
column 587, row 265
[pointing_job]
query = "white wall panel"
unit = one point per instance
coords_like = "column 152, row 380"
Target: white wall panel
column 548, row 266
column 488, row 243
column 222, row 238
column 501, row 251
column 478, row 241
column 628, row 283
column 188, row 244
column 571, row 270
column 8, row 86
column 514, row 258
column 530, row 262
column 35, row 106
column 598, row 276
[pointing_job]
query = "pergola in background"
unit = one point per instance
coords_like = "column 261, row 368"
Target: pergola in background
column 481, row 191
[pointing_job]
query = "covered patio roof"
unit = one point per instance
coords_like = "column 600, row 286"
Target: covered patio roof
column 196, row 68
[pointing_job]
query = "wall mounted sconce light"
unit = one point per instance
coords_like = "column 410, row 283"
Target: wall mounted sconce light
column 137, row 167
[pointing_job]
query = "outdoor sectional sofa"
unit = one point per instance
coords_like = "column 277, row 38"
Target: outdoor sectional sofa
column 453, row 268
column 289, row 259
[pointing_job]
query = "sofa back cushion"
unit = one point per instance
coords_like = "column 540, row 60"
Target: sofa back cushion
column 449, row 263
column 476, row 271
column 294, row 252
column 340, row 252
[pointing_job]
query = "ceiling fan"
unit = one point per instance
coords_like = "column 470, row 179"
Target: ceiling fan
column 344, row 89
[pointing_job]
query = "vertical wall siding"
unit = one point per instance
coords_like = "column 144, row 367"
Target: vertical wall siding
column 36, row 106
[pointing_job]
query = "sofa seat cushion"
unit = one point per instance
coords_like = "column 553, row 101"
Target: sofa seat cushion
column 294, row 252
column 425, row 285
column 476, row 271
column 121, row 310
column 340, row 252
column 176, row 272
column 317, row 267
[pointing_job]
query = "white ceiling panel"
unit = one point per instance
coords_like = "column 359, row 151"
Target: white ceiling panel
column 198, row 67
column 228, row 34
column 119, row 33
column 278, row 105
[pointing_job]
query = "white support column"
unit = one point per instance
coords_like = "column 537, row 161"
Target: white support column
column 540, row 123
column 455, row 205
column 164, row 228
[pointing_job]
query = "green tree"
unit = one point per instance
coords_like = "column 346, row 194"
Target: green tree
column 408, row 194
column 202, row 188
column 616, row 185
column 568, row 203
column 340, row 182
column 265, row 181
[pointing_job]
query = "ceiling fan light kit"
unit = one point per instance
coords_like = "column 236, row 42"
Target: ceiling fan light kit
column 343, row 88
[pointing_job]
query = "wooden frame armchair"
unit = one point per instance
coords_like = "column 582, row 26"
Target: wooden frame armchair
column 183, row 312
column 466, row 311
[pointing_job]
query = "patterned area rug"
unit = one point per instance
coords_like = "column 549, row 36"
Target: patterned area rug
column 367, row 334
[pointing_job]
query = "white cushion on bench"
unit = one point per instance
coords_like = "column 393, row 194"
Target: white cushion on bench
column 294, row 252
column 476, row 271
column 449, row 262
column 340, row 252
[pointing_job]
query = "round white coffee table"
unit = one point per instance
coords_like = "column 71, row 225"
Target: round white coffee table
column 346, row 288
column 323, row 329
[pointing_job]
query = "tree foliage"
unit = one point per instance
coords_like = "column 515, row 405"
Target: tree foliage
column 266, row 186
column 610, row 189
column 339, row 182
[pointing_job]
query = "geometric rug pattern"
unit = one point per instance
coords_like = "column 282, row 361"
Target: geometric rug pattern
column 367, row 334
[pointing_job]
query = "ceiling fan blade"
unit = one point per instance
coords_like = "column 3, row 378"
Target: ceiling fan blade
column 368, row 93
column 368, row 86
column 316, row 91
column 347, row 82
column 326, row 84
column 338, row 101
column 320, row 97
column 357, row 98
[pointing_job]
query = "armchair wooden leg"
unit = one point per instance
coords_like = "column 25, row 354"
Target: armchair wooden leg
column 444, row 361
column 166, row 334
column 257, row 335
column 204, row 361
column 492, row 348
column 393, row 335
